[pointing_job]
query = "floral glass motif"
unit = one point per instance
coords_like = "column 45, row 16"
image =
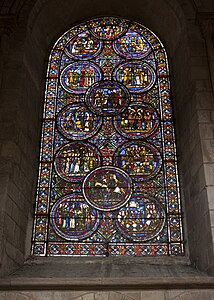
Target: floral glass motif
column 108, row 180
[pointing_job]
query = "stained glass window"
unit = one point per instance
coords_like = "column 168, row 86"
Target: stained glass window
column 108, row 180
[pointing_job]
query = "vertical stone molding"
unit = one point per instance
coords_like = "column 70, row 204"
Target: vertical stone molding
column 206, row 22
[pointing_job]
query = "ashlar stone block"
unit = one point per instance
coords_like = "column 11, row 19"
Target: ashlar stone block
column 153, row 295
column 208, row 150
column 209, row 173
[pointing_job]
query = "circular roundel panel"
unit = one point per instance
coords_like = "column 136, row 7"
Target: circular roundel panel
column 107, row 188
column 108, row 28
column 107, row 98
column 76, row 122
column 138, row 77
column 132, row 45
column 73, row 219
column 83, row 46
column 77, row 77
column 73, row 161
column 141, row 219
column 140, row 120
column 138, row 159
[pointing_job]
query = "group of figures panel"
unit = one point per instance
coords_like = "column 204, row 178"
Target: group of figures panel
column 105, row 188
column 106, row 62
column 137, row 76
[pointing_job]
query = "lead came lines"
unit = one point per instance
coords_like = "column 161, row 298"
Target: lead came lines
column 103, row 208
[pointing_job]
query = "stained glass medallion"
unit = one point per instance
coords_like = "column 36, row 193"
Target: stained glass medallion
column 74, row 160
column 108, row 180
column 141, row 219
column 107, row 98
column 83, row 47
column 138, row 159
column 138, row 120
column 77, row 77
column 107, row 188
column 138, row 77
column 75, row 121
column 132, row 45
column 73, row 219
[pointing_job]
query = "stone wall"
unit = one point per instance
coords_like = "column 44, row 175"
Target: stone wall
column 25, row 46
column 114, row 295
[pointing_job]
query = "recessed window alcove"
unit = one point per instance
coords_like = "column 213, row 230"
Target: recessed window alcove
column 167, row 257
column 108, row 181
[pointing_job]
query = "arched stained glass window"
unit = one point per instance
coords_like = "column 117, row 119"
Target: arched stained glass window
column 108, row 182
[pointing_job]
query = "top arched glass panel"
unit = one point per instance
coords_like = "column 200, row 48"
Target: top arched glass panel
column 108, row 182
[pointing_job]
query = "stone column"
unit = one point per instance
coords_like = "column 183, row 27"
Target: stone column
column 206, row 22
column 206, row 131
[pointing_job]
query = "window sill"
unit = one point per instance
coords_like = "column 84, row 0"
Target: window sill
column 84, row 273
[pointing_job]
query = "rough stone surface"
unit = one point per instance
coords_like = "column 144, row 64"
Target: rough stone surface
column 140, row 295
column 108, row 267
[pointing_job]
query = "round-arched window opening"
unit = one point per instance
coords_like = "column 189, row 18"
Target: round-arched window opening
column 108, row 181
